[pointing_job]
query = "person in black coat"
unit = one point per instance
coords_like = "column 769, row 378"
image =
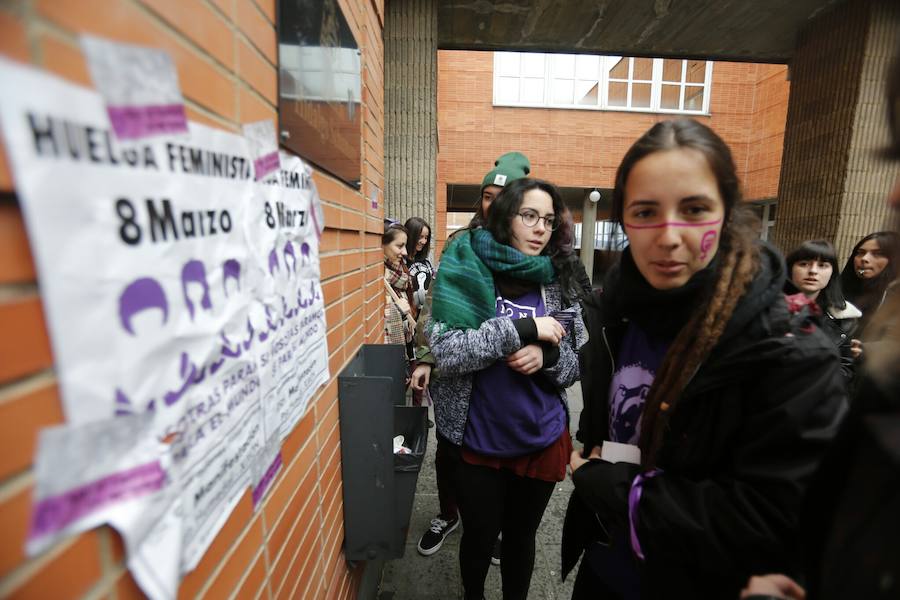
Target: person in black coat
column 851, row 522
column 695, row 357
column 812, row 270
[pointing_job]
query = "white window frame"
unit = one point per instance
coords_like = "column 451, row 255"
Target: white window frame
column 604, row 80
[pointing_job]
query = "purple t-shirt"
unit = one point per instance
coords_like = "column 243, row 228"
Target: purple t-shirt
column 639, row 358
column 511, row 414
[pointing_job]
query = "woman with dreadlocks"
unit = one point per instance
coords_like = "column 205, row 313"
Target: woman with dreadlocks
column 696, row 359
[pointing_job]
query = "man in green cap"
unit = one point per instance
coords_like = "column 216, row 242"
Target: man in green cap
column 507, row 168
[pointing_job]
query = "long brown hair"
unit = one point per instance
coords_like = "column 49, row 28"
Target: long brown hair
column 737, row 265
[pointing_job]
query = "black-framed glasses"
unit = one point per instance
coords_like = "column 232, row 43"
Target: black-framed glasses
column 531, row 218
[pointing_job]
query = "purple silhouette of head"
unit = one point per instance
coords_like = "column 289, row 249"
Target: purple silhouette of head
column 289, row 251
column 304, row 252
column 194, row 272
column 141, row 294
column 273, row 262
column 232, row 270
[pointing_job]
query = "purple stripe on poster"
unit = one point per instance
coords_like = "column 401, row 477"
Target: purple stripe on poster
column 133, row 122
column 266, row 164
column 57, row 512
column 260, row 490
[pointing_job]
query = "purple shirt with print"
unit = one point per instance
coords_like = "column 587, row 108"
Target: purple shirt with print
column 511, row 414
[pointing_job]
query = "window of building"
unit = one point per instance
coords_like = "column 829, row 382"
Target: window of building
column 765, row 211
column 602, row 82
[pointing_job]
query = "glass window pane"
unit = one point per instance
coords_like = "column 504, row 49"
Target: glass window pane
column 643, row 69
column 532, row 90
column 693, row 97
column 564, row 65
column 672, row 69
column 587, row 66
column 587, row 92
column 508, row 64
column 772, row 208
column 562, row 91
column 532, row 65
column 619, row 70
column 696, row 71
column 670, row 97
column 507, row 90
column 640, row 95
column 618, row 94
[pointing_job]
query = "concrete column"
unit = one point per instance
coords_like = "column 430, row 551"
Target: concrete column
column 833, row 184
column 410, row 111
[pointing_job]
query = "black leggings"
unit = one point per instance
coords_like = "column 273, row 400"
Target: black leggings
column 447, row 459
column 491, row 501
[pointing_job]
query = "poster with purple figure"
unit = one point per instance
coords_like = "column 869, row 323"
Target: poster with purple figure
column 178, row 290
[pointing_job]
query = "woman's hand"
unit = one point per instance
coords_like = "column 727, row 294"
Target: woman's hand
column 778, row 586
column 549, row 330
column 856, row 349
column 527, row 360
column 576, row 460
column 420, row 377
column 403, row 305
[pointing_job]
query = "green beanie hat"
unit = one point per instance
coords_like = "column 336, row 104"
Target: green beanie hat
column 509, row 167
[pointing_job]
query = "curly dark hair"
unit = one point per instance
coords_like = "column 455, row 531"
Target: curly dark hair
column 505, row 208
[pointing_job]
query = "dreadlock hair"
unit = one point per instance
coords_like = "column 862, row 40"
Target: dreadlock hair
column 821, row 251
column 737, row 265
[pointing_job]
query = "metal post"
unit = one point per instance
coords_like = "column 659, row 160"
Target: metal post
column 588, row 231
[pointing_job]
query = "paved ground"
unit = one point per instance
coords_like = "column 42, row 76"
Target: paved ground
column 415, row 577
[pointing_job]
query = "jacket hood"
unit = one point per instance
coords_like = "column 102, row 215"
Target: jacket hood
column 765, row 289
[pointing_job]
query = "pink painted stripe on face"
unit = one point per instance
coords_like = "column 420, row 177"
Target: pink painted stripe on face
column 674, row 224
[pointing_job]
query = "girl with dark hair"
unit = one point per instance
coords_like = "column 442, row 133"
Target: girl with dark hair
column 813, row 271
column 503, row 362
column 399, row 309
column 421, row 270
column 708, row 398
column 870, row 269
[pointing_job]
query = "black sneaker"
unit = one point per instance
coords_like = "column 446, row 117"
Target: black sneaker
column 495, row 553
column 432, row 540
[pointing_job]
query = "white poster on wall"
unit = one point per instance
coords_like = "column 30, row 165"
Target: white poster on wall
column 184, row 306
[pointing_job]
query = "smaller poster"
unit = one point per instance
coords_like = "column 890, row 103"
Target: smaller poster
column 140, row 88
column 263, row 143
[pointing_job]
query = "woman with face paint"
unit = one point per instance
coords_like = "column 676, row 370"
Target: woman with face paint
column 870, row 269
column 708, row 399
column 503, row 362
column 812, row 271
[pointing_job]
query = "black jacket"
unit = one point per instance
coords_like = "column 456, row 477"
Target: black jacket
column 743, row 441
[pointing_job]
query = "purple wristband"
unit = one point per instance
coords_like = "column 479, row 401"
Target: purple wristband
column 634, row 497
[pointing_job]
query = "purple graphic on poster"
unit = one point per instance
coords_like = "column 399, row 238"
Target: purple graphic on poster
column 141, row 294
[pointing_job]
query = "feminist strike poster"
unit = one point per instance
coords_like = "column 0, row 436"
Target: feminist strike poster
column 186, row 318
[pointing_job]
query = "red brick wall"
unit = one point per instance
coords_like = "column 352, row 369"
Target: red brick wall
column 226, row 55
column 583, row 147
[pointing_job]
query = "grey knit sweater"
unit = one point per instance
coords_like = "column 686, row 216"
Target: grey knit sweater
column 460, row 353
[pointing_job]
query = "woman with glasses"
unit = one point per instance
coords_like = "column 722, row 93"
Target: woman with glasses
column 503, row 361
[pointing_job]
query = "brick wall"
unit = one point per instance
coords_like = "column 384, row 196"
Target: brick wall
column 583, row 147
column 226, row 55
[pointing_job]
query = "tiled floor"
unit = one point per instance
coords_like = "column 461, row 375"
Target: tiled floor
column 437, row 577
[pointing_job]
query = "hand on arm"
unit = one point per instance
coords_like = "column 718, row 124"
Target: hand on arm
column 526, row 360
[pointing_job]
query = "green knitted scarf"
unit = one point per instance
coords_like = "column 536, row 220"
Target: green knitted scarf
column 464, row 295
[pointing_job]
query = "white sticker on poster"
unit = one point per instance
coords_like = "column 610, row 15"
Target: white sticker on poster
column 178, row 291
column 263, row 147
column 140, row 87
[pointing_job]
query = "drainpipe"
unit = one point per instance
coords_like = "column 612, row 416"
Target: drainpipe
column 588, row 227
